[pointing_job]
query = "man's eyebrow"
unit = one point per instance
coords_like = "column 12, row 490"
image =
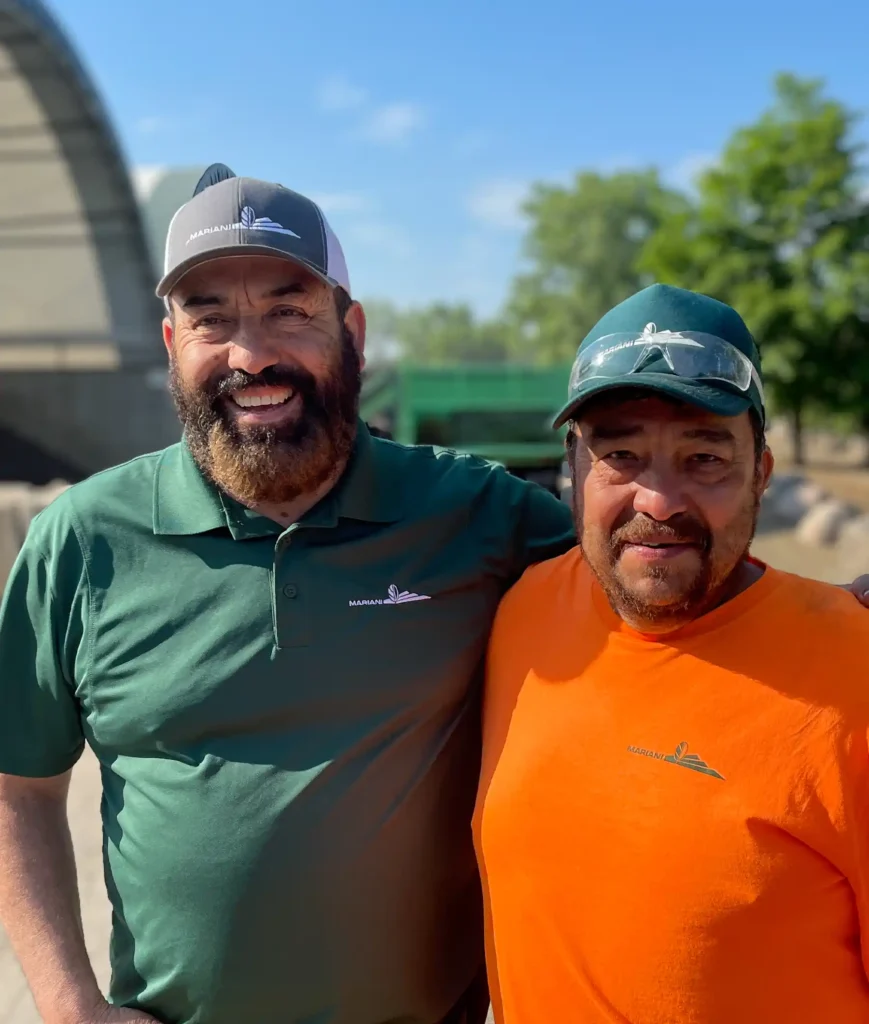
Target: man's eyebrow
column 194, row 301
column 297, row 288
column 715, row 435
column 613, row 432
column 616, row 432
column 197, row 301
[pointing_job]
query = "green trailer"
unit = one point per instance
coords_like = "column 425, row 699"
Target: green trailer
column 499, row 412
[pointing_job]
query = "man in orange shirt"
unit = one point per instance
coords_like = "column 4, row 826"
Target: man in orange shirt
column 673, row 820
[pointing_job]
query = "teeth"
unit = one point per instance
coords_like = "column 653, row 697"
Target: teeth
column 253, row 401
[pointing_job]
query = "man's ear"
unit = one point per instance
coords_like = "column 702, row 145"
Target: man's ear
column 767, row 465
column 571, row 443
column 168, row 334
column 354, row 321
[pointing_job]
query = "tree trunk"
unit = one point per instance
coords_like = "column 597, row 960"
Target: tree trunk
column 797, row 442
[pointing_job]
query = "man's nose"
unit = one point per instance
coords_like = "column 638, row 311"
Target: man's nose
column 659, row 494
column 251, row 349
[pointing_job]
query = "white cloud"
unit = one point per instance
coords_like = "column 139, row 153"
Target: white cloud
column 387, row 123
column 393, row 122
column 337, row 94
column 341, row 202
column 150, row 125
column 685, row 172
column 498, row 203
column 145, row 180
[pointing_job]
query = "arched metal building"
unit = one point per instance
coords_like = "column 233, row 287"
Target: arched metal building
column 82, row 383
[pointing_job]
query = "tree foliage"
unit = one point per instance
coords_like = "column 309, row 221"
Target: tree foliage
column 583, row 246
column 437, row 335
column 779, row 231
column 777, row 228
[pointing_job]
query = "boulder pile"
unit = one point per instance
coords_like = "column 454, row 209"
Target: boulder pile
column 818, row 519
column 792, row 502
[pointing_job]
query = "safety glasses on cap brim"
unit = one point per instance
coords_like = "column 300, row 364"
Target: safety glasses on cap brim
column 688, row 354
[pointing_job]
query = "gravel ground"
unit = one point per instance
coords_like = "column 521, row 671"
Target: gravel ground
column 779, row 549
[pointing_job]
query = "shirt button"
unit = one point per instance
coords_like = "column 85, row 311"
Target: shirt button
column 290, row 590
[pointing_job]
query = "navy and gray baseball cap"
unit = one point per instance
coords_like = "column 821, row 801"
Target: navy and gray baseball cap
column 231, row 216
column 675, row 342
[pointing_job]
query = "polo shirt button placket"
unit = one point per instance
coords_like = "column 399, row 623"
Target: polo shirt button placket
column 292, row 626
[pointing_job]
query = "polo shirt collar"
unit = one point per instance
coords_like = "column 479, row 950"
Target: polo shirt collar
column 186, row 503
column 370, row 489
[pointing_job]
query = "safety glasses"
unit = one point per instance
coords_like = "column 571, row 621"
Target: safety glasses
column 688, row 354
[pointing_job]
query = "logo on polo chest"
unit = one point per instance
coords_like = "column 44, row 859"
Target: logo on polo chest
column 393, row 596
column 680, row 757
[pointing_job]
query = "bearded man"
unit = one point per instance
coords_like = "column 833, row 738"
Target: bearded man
column 673, row 819
column 271, row 635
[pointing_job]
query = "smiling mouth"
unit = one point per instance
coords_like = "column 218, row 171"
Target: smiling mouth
column 659, row 549
column 663, row 544
column 251, row 399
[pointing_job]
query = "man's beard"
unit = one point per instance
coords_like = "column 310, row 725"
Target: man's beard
column 273, row 464
column 666, row 605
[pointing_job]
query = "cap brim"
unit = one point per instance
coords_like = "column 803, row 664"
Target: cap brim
column 714, row 399
column 170, row 280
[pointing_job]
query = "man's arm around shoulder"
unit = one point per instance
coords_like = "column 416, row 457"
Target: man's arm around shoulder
column 545, row 526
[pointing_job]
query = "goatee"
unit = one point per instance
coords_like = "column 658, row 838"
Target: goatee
column 660, row 598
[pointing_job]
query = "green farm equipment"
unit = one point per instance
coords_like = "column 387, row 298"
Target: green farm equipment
column 499, row 412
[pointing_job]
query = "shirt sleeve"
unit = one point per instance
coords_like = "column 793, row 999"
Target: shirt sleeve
column 42, row 625
column 544, row 530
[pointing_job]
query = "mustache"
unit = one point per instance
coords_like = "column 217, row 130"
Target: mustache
column 295, row 377
column 681, row 529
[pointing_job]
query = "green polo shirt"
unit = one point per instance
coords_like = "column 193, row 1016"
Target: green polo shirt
column 287, row 724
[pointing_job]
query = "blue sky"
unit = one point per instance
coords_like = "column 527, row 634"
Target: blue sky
column 420, row 126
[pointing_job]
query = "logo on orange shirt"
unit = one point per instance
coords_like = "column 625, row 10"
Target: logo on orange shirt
column 682, row 758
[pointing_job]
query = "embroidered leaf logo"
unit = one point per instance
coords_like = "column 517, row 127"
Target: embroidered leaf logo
column 248, row 217
column 681, row 751
column 393, row 594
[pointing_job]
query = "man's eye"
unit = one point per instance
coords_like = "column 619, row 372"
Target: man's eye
column 707, row 459
column 290, row 313
column 620, row 456
column 210, row 321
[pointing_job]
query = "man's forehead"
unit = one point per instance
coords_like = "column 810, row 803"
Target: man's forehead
column 258, row 277
column 633, row 415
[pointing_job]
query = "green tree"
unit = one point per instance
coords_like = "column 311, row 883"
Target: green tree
column 382, row 344
column 584, row 246
column 439, row 334
column 779, row 231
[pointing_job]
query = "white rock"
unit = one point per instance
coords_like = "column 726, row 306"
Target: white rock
column 852, row 548
column 822, row 524
column 855, row 532
column 788, row 498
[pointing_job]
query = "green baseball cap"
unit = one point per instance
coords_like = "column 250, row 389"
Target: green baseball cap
column 669, row 321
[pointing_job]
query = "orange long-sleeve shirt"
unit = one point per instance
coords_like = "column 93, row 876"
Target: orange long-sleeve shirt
column 676, row 830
